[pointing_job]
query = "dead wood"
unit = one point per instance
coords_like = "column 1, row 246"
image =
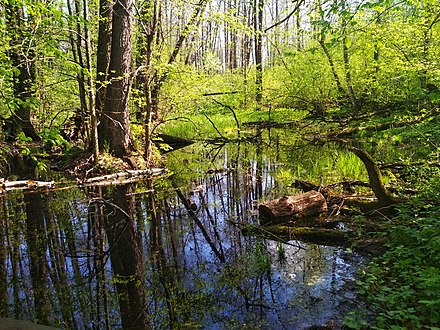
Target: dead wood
column 105, row 180
column 400, row 166
column 25, row 185
column 173, row 141
column 111, row 178
column 384, row 198
column 292, row 207
column 219, row 93
column 347, row 132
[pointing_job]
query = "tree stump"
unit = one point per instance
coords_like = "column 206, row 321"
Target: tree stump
column 292, row 207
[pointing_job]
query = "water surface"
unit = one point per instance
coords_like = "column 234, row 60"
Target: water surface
column 167, row 253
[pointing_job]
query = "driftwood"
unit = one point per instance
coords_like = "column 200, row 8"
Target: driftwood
column 105, row 180
column 25, row 185
column 111, row 178
column 292, row 207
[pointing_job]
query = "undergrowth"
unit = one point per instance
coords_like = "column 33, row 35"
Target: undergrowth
column 403, row 285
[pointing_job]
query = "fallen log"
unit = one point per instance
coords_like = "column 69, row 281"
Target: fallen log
column 25, row 185
column 172, row 141
column 351, row 131
column 295, row 207
column 125, row 175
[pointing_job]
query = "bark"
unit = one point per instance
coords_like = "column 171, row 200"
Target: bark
column 114, row 128
column 308, row 204
column 111, row 178
column 146, row 78
column 25, row 184
column 91, row 84
column 332, row 65
column 258, row 40
column 81, row 77
column 350, row 131
column 347, row 69
column 75, row 44
column 384, row 198
column 103, row 51
column 154, row 86
column 24, row 61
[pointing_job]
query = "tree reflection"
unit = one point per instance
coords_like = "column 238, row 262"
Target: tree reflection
column 125, row 256
column 166, row 255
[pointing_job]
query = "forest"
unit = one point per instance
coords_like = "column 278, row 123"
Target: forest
column 184, row 119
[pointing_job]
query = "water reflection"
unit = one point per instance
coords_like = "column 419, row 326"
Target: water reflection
column 167, row 253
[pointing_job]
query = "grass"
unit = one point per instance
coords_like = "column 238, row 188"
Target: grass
column 197, row 125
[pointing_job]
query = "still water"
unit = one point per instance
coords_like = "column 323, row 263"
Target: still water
column 167, row 253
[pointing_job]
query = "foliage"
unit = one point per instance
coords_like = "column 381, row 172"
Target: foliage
column 52, row 138
column 403, row 285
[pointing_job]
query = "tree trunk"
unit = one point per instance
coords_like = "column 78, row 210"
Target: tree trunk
column 384, row 198
column 154, row 86
column 75, row 44
column 332, row 65
column 91, row 90
column 258, row 39
column 292, row 207
column 23, row 85
column 347, row 69
column 103, row 52
column 114, row 128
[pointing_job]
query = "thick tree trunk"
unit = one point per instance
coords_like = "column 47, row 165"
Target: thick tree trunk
column 292, row 207
column 23, row 84
column 114, row 128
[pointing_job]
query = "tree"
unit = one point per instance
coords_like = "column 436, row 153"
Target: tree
column 258, row 43
column 22, row 56
column 114, row 127
column 157, row 79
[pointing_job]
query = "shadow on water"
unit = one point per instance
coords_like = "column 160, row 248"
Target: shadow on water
column 166, row 253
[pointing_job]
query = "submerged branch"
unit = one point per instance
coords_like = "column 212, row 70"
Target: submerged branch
column 308, row 234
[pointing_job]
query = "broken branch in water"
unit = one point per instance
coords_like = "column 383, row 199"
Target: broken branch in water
column 105, row 180
column 25, row 184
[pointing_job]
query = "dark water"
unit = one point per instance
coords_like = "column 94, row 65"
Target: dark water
column 167, row 253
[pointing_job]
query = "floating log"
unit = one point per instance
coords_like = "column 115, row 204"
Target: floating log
column 25, row 184
column 105, row 180
column 292, row 207
column 111, row 178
